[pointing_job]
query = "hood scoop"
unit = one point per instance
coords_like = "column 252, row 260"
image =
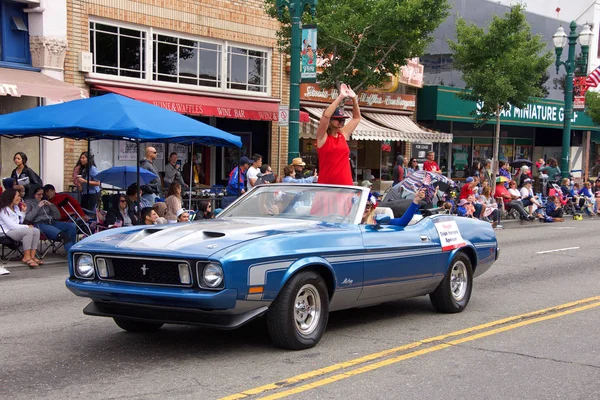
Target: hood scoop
column 211, row 234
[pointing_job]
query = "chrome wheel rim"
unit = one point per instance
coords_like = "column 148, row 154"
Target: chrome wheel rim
column 458, row 280
column 307, row 309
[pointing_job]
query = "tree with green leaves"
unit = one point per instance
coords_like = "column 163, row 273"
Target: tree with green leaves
column 592, row 106
column 501, row 67
column 365, row 40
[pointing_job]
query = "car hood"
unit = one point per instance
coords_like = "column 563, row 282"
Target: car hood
column 200, row 239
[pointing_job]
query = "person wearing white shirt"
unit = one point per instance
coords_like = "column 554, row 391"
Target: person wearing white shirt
column 12, row 214
column 253, row 171
column 528, row 198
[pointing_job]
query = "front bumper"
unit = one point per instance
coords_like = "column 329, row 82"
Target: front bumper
column 153, row 295
column 172, row 315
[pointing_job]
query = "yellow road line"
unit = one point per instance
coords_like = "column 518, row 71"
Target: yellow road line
column 386, row 353
column 394, row 360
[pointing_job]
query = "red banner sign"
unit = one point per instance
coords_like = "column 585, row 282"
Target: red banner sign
column 580, row 87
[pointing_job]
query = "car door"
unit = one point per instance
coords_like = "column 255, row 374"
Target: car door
column 398, row 261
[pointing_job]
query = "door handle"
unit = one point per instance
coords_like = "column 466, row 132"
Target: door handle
column 425, row 238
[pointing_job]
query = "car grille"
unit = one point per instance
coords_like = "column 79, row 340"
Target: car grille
column 155, row 272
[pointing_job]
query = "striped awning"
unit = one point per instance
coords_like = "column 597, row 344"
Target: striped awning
column 309, row 130
column 366, row 130
column 407, row 129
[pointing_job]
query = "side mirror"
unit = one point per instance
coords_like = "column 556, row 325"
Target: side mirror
column 382, row 219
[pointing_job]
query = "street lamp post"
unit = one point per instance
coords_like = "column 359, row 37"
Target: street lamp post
column 296, row 9
column 561, row 39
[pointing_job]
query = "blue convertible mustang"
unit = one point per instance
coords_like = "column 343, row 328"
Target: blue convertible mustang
column 290, row 253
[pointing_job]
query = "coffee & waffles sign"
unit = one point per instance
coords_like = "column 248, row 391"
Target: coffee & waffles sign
column 442, row 103
column 395, row 101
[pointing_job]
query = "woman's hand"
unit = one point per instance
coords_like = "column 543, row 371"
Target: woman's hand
column 419, row 196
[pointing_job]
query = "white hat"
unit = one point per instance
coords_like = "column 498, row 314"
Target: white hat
column 180, row 211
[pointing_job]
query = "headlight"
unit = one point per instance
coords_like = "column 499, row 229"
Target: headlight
column 212, row 275
column 85, row 266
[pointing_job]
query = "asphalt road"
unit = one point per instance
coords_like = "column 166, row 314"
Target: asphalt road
column 50, row 350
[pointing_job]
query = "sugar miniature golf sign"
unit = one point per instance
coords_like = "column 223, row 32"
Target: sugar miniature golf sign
column 450, row 236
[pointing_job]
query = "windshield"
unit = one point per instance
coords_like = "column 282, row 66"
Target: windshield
column 308, row 202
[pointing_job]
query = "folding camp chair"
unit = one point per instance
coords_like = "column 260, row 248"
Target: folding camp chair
column 51, row 244
column 13, row 246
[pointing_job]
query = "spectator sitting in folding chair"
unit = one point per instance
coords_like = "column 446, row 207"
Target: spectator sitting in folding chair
column 45, row 216
column 66, row 204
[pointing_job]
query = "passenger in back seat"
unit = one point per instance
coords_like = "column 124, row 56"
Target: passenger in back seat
column 369, row 213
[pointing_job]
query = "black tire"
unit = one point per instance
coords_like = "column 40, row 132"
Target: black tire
column 284, row 318
column 454, row 292
column 131, row 325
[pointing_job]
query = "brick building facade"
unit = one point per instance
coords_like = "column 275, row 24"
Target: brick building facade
column 222, row 23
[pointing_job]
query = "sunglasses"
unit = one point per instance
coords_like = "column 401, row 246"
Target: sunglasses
column 122, row 201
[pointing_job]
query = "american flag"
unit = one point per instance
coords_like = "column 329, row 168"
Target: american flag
column 593, row 79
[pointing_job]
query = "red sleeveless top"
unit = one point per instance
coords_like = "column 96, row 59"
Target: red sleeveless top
column 334, row 161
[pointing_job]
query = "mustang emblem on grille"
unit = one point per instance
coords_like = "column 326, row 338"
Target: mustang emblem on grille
column 144, row 269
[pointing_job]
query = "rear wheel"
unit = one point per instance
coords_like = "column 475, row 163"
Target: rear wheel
column 298, row 317
column 131, row 325
column 453, row 293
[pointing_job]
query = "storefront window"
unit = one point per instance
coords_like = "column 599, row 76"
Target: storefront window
column 117, row 51
column 461, row 154
column 388, row 160
column 506, row 152
column 120, row 51
column 247, row 69
column 186, row 61
column 482, row 152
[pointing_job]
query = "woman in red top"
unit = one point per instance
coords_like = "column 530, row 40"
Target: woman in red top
column 333, row 132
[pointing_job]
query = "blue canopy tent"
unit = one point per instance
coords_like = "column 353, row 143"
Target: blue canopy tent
column 112, row 116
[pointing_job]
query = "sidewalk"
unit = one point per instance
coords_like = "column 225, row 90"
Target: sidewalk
column 50, row 260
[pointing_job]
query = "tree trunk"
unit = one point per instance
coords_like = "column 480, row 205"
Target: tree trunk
column 495, row 167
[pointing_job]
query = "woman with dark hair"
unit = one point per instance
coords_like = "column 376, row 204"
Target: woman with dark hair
column 332, row 136
column 475, row 170
column 122, row 210
column 205, row 210
column 552, row 170
column 413, row 165
column 12, row 215
column 25, row 179
column 174, row 202
column 88, row 170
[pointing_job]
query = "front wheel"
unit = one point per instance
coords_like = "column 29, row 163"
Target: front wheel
column 298, row 317
column 131, row 325
column 453, row 293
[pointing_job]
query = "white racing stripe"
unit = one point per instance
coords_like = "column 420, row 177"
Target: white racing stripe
column 554, row 251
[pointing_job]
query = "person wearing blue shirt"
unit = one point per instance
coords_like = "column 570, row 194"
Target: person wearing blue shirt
column 404, row 220
column 237, row 177
column 289, row 172
column 88, row 170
